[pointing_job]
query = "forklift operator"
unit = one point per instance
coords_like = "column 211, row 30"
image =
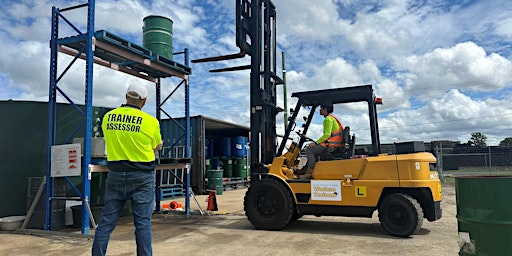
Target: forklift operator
column 331, row 138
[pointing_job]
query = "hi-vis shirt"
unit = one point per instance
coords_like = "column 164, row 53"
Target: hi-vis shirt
column 332, row 131
column 130, row 135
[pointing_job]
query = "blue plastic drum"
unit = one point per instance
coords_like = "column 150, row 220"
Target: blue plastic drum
column 225, row 150
column 239, row 146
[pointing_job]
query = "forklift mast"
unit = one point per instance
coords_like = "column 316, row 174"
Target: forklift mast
column 256, row 37
column 336, row 96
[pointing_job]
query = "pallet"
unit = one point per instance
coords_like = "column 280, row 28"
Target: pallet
column 125, row 54
column 235, row 183
column 170, row 192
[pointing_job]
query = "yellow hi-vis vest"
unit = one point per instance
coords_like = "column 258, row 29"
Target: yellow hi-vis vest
column 130, row 134
column 335, row 139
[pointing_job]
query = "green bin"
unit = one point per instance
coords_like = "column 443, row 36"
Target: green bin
column 484, row 215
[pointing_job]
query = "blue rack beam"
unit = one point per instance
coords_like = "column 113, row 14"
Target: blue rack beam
column 114, row 52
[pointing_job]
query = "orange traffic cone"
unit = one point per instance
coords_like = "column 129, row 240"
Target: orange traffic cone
column 212, row 200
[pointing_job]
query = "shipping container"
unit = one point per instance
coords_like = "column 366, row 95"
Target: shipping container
column 24, row 151
column 208, row 142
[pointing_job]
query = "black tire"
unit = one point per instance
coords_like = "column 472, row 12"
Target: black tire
column 400, row 215
column 296, row 215
column 268, row 205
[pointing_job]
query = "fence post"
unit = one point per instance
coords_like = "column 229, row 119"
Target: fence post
column 490, row 163
column 439, row 162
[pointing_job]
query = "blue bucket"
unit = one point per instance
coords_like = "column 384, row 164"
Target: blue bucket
column 239, row 146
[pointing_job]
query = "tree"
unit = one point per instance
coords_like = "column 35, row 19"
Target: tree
column 478, row 140
column 507, row 142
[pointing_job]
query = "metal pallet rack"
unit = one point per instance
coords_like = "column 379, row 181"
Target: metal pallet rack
column 110, row 51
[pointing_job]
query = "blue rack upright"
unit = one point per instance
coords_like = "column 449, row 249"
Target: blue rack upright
column 112, row 51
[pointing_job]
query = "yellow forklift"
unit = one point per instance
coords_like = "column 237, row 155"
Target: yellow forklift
column 399, row 185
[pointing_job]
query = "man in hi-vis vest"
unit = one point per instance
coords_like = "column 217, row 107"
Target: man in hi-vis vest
column 132, row 138
column 331, row 138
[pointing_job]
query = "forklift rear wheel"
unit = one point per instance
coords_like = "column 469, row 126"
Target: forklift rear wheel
column 400, row 215
column 268, row 205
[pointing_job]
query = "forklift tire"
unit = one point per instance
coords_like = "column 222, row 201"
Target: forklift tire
column 400, row 215
column 268, row 205
column 296, row 215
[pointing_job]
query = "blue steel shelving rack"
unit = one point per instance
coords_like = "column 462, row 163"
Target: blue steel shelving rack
column 116, row 53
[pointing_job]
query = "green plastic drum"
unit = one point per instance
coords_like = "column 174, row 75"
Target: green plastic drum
column 228, row 167
column 208, row 164
column 484, row 215
column 157, row 35
column 215, row 180
column 240, row 167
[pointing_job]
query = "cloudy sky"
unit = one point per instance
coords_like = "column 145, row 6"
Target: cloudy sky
column 443, row 68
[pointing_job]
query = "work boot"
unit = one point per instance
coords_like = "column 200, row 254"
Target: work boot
column 299, row 171
column 308, row 174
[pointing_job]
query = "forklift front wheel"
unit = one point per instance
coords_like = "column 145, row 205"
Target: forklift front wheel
column 268, row 205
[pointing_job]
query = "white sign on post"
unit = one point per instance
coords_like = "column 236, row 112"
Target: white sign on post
column 326, row 190
column 66, row 160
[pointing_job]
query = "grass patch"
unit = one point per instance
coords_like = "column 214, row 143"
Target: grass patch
column 449, row 180
column 482, row 169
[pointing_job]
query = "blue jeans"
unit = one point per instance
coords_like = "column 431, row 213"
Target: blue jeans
column 139, row 187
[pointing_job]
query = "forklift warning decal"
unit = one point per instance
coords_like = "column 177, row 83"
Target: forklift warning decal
column 360, row 191
column 326, row 190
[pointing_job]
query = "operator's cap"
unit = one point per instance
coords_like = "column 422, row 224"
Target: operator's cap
column 137, row 91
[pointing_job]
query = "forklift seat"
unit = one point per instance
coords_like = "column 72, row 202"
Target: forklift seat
column 343, row 152
column 345, row 135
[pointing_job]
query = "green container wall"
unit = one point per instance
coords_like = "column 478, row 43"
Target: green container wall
column 484, row 212
column 157, row 35
column 25, row 138
column 199, row 128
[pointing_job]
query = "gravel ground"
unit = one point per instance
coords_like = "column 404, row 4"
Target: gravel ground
column 228, row 232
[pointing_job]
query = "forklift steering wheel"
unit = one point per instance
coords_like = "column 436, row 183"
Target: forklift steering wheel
column 304, row 137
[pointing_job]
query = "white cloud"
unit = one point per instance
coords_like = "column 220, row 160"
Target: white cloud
column 452, row 116
column 302, row 19
column 463, row 66
column 415, row 55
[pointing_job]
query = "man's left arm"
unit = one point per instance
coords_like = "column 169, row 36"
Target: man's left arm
column 158, row 138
